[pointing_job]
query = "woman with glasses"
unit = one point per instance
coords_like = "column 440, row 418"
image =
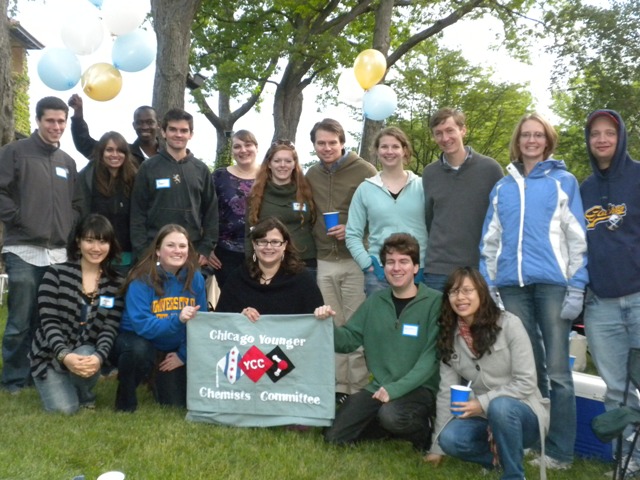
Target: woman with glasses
column 391, row 201
column 533, row 256
column 490, row 349
column 233, row 184
column 274, row 281
column 281, row 191
column 80, row 309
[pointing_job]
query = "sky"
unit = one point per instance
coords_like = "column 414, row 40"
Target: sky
column 45, row 19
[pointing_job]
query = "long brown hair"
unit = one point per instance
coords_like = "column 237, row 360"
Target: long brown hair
column 147, row 269
column 484, row 329
column 105, row 181
column 303, row 190
column 291, row 262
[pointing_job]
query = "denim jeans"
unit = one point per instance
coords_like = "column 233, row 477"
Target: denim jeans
column 137, row 359
column 22, row 321
column 435, row 281
column 613, row 328
column 373, row 284
column 539, row 306
column 362, row 417
column 514, row 427
column 66, row 392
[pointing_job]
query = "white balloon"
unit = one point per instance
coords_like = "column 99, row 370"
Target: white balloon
column 349, row 90
column 112, row 476
column 82, row 31
column 124, row 16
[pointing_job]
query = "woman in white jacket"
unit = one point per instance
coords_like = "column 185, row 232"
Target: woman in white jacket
column 491, row 349
column 390, row 202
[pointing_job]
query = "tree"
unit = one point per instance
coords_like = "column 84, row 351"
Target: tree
column 7, row 123
column 431, row 77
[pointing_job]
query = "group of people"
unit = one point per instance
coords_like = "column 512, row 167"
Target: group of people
column 512, row 257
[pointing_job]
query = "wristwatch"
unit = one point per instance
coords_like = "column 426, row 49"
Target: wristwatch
column 62, row 355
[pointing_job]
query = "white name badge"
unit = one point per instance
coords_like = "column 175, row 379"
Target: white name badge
column 299, row 207
column 61, row 172
column 106, row 302
column 410, row 330
column 163, row 183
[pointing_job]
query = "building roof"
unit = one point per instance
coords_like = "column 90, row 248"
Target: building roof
column 21, row 35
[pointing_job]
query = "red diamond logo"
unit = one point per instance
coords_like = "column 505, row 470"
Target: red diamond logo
column 254, row 363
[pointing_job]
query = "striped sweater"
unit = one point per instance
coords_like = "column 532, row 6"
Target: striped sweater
column 60, row 307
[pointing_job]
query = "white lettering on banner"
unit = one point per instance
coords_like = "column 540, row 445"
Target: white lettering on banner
column 224, row 394
column 289, row 397
column 288, row 343
column 224, row 335
column 255, row 364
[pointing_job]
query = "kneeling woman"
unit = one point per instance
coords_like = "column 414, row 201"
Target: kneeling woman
column 80, row 312
column 491, row 349
column 163, row 292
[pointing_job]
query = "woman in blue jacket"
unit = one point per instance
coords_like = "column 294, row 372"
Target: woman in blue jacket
column 390, row 202
column 533, row 256
column 163, row 292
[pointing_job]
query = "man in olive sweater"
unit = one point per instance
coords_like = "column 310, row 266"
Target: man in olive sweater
column 334, row 181
column 398, row 328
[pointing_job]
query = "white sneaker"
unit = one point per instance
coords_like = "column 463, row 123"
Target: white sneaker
column 551, row 463
column 633, row 470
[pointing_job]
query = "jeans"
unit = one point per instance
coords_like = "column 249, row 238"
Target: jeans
column 435, row 281
column 362, row 417
column 341, row 283
column 612, row 326
column 373, row 284
column 137, row 360
column 514, row 427
column 539, row 306
column 66, row 392
column 22, row 321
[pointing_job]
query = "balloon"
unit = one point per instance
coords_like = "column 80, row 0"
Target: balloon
column 379, row 102
column 348, row 87
column 134, row 51
column 124, row 16
column 101, row 81
column 82, row 32
column 97, row 3
column 369, row 68
column 59, row 69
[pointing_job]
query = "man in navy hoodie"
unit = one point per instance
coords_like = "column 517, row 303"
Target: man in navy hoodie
column 611, row 199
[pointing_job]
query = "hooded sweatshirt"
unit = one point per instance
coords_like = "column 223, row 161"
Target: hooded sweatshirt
column 611, row 202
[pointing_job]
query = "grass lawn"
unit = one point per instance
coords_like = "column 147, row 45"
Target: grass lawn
column 157, row 443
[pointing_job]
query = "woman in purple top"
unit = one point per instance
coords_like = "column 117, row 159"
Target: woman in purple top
column 233, row 185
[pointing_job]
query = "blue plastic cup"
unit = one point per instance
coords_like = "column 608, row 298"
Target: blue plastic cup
column 459, row 393
column 330, row 219
column 572, row 360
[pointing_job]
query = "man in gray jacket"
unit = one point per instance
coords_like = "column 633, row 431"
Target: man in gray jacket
column 37, row 180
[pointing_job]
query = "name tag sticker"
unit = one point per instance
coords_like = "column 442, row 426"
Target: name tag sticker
column 410, row 330
column 106, row 302
column 163, row 183
column 61, row 172
column 299, row 207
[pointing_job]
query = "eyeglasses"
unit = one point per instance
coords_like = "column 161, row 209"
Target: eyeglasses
column 265, row 243
column 283, row 141
column 466, row 291
column 536, row 135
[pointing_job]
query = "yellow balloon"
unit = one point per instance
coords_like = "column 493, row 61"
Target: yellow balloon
column 369, row 68
column 101, row 81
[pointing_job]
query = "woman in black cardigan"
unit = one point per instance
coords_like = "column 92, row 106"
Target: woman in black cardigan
column 274, row 281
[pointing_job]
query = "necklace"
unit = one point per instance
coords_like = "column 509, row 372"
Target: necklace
column 266, row 280
column 93, row 294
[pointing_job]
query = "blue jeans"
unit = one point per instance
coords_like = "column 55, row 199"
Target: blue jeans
column 66, row 392
column 137, row 360
column 539, row 306
column 613, row 328
column 435, row 281
column 514, row 427
column 22, row 321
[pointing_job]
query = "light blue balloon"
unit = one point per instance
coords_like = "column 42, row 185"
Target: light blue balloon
column 59, row 69
column 97, row 3
column 133, row 52
column 379, row 102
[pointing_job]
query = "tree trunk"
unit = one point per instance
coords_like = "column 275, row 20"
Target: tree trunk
column 287, row 106
column 172, row 23
column 7, row 121
column 381, row 42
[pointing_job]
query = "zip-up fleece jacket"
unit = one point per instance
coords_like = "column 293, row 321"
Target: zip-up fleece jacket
column 534, row 230
column 37, row 182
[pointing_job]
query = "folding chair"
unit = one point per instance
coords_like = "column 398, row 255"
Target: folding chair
column 613, row 423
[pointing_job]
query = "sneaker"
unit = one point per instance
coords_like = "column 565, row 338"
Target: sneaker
column 551, row 463
column 633, row 470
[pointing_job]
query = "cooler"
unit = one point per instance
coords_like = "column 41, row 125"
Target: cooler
column 590, row 391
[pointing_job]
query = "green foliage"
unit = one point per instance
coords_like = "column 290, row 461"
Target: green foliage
column 21, row 102
column 431, row 77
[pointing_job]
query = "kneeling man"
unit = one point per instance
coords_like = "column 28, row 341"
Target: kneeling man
column 398, row 328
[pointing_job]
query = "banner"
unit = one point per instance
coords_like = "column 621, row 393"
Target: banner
column 279, row 370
